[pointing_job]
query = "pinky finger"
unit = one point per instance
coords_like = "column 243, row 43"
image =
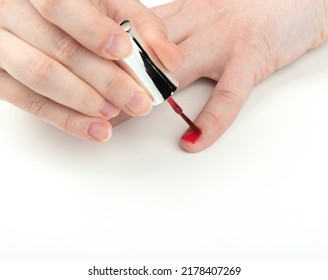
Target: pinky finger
column 61, row 117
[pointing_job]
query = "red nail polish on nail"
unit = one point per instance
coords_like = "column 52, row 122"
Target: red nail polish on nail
column 191, row 136
column 194, row 132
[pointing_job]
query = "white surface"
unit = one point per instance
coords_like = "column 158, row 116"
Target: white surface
column 260, row 192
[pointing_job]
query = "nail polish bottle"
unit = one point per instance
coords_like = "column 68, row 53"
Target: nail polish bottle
column 158, row 84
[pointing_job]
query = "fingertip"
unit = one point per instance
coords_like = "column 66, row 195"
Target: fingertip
column 176, row 57
column 191, row 136
column 109, row 110
column 189, row 141
column 189, row 147
column 139, row 104
column 118, row 46
column 100, row 131
column 154, row 33
column 171, row 55
column 221, row 109
column 193, row 143
column 122, row 117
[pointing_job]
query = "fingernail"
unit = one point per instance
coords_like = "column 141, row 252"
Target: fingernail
column 139, row 104
column 109, row 110
column 191, row 136
column 99, row 132
column 118, row 46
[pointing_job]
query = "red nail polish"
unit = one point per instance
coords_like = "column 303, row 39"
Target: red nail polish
column 191, row 136
column 194, row 132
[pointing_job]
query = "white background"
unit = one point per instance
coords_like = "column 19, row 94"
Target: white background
column 259, row 193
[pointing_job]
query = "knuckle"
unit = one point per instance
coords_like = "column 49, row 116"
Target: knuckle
column 38, row 106
column 94, row 23
column 229, row 108
column 228, row 99
column 39, row 71
column 101, row 5
column 68, row 50
column 46, row 6
column 110, row 88
column 69, row 123
column 212, row 120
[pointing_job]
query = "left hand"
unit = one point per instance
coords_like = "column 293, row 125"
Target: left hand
column 238, row 43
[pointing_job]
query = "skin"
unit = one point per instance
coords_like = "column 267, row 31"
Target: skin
column 60, row 66
column 238, row 44
column 52, row 56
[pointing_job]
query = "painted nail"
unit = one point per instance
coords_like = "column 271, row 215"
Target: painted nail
column 139, row 104
column 118, row 46
column 191, row 136
column 99, row 132
column 109, row 110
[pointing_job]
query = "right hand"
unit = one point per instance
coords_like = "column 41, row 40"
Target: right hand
column 51, row 69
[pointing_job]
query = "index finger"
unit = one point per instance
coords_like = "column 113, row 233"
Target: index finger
column 86, row 24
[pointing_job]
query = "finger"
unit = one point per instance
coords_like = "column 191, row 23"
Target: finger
column 196, row 64
column 151, row 29
column 178, row 30
column 63, row 118
column 103, row 75
column 169, row 54
column 50, row 78
column 191, row 70
column 222, row 107
column 122, row 117
column 155, row 34
column 167, row 10
column 84, row 22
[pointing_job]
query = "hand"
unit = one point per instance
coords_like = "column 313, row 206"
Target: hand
column 238, row 43
column 56, row 61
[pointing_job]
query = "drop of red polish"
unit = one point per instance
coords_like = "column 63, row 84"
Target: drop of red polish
column 194, row 132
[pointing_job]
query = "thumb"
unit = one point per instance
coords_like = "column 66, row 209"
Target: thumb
column 154, row 33
column 222, row 107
